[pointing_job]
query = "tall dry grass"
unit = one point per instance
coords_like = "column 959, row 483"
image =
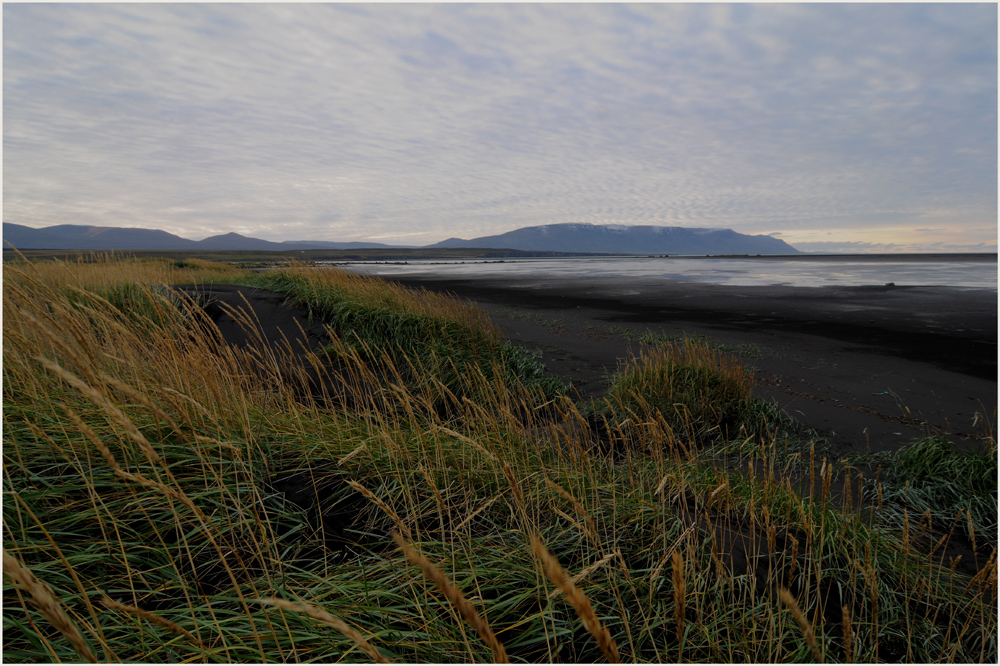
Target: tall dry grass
column 684, row 391
column 147, row 472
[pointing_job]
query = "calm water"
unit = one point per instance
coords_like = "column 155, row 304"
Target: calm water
column 961, row 271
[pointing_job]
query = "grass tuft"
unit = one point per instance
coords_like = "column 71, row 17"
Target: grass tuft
column 456, row 598
column 700, row 393
column 45, row 601
column 932, row 477
column 326, row 618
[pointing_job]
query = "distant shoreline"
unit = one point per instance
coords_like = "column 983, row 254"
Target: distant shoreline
column 843, row 360
column 909, row 256
column 953, row 328
column 984, row 257
column 484, row 254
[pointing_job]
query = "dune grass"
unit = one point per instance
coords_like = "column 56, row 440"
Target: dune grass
column 930, row 477
column 688, row 389
column 146, row 520
column 418, row 333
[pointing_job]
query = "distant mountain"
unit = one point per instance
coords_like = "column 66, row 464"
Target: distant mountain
column 566, row 238
column 620, row 239
column 234, row 241
column 330, row 245
column 79, row 237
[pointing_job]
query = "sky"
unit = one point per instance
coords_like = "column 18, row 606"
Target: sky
column 834, row 127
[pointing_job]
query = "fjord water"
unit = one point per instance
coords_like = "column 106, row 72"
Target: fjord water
column 963, row 271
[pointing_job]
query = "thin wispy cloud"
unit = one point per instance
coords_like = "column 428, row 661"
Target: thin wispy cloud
column 420, row 122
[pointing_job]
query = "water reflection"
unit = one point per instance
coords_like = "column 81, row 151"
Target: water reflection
column 802, row 272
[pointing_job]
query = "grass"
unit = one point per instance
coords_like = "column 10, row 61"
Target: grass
column 744, row 349
column 555, row 323
column 167, row 499
column 932, row 478
column 686, row 388
column 419, row 334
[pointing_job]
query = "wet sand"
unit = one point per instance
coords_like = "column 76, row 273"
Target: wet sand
column 870, row 368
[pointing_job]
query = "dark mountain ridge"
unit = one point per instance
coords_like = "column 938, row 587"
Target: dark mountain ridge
column 568, row 238
column 81, row 237
column 620, row 239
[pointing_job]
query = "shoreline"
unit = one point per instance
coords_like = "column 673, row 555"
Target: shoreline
column 955, row 328
column 931, row 257
column 870, row 368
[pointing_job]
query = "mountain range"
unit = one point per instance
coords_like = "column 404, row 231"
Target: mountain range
column 79, row 237
column 621, row 239
column 570, row 238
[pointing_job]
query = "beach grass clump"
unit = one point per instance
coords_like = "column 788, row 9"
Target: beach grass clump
column 700, row 393
column 135, row 287
column 110, row 271
column 420, row 333
column 933, row 477
column 166, row 499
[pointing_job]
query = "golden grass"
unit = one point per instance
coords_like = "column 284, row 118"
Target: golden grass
column 378, row 293
column 807, row 629
column 455, row 598
column 680, row 595
column 377, row 501
column 586, row 572
column 848, row 636
column 139, row 452
column 45, row 601
column 577, row 599
column 326, row 618
column 102, row 272
column 155, row 619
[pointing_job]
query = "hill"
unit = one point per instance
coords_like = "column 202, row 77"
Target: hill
column 620, row 239
column 80, row 237
column 555, row 238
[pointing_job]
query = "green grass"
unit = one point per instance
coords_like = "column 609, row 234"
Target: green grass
column 931, row 477
column 651, row 338
column 744, row 349
column 143, row 463
column 694, row 392
column 420, row 334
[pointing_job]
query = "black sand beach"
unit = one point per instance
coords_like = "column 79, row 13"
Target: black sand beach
column 872, row 368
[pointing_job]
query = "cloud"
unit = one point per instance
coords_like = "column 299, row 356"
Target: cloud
column 861, row 247
column 427, row 121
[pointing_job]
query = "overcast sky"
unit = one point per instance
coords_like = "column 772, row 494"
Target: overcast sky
column 839, row 127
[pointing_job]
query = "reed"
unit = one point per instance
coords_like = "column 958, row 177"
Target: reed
column 338, row 624
column 586, row 572
column 155, row 619
column 380, row 503
column 680, row 594
column 800, row 618
column 848, row 636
